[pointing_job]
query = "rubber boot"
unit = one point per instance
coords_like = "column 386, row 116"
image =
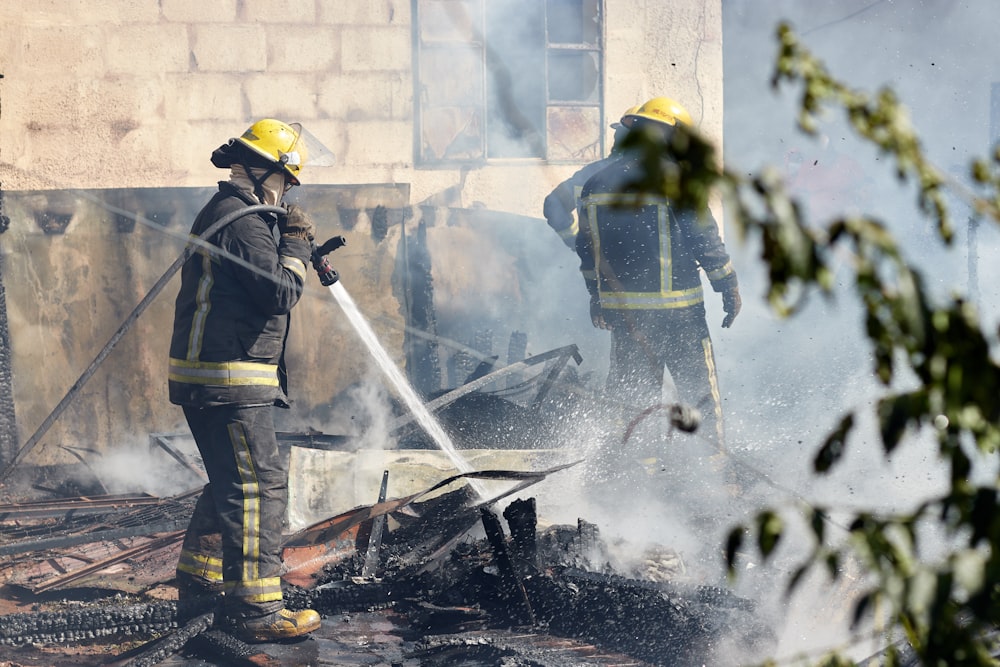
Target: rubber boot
column 277, row 626
column 196, row 597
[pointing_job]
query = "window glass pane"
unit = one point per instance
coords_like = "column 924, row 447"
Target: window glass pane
column 574, row 133
column 451, row 133
column 516, row 119
column 573, row 76
column 573, row 21
column 451, row 21
column 515, row 62
column 451, row 76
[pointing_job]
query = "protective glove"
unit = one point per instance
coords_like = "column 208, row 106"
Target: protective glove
column 297, row 224
column 597, row 314
column 731, row 303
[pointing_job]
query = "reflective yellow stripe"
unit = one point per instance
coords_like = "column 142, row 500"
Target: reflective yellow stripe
column 203, row 308
column 224, row 373
column 666, row 253
column 250, row 491
column 200, row 565
column 295, row 265
column 626, row 199
column 713, row 381
column 652, row 300
column 255, row 590
column 569, row 233
column 724, row 271
column 595, row 241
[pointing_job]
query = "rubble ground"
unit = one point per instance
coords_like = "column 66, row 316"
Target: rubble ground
column 454, row 581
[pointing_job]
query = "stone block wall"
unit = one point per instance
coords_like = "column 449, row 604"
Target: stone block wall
column 107, row 94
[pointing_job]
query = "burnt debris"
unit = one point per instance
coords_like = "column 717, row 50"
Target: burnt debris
column 454, row 580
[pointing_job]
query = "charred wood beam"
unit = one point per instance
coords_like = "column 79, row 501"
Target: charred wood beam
column 95, row 536
column 522, row 518
column 75, row 451
column 557, row 367
column 161, row 441
column 158, row 650
column 347, row 595
column 134, row 552
column 164, row 516
column 43, row 509
column 416, row 555
column 422, row 359
column 375, row 539
column 513, row 587
column 88, row 623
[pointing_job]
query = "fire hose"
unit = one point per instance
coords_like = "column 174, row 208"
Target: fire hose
column 327, row 277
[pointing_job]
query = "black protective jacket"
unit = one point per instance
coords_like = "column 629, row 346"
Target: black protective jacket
column 560, row 204
column 230, row 321
column 637, row 252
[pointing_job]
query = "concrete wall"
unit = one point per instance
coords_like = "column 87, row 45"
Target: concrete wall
column 107, row 105
column 109, row 94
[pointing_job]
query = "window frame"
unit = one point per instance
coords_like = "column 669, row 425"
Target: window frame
column 422, row 107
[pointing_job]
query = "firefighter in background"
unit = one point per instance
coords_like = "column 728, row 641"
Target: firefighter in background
column 227, row 372
column 560, row 205
column 640, row 257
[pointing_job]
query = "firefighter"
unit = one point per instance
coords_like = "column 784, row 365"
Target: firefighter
column 560, row 205
column 640, row 257
column 227, row 372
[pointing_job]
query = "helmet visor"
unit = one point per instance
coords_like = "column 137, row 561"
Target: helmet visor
column 306, row 150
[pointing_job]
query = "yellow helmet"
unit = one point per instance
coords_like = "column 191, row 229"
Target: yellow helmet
column 663, row 110
column 626, row 119
column 278, row 142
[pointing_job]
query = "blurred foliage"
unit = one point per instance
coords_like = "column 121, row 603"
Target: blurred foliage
column 946, row 610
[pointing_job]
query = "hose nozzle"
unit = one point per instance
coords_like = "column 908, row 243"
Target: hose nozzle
column 327, row 275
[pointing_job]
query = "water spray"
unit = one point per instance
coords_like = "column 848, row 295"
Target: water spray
column 404, row 389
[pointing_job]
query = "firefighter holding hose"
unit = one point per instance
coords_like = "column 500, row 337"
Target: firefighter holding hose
column 227, row 372
column 641, row 258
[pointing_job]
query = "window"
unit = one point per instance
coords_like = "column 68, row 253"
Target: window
column 507, row 79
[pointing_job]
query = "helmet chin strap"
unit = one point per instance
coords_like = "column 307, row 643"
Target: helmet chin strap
column 258, row 182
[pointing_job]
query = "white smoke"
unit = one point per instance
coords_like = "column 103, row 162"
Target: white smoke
column 137, row 466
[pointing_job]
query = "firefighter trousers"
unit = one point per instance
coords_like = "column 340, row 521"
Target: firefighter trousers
column 233, row 542
column 644, row 342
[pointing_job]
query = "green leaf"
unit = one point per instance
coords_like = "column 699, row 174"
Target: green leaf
column 733, row 544
column 861, row 608
column 796, row 579
column 833, row 565
column 817, row 521
column 898, row 412
column 769, row 530
column 833, row 449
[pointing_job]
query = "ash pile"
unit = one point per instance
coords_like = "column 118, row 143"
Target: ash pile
column 438, row 577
